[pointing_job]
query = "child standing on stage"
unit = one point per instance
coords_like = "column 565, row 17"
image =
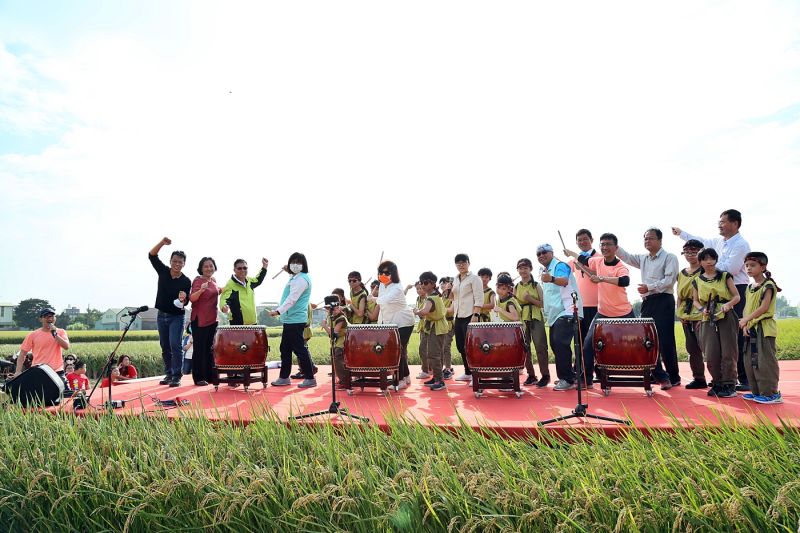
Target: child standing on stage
column 689, row 315
column 760, row 329
column 507, row 308
column 529, row 295
column 358, row 299
column 433, row 331
column 337, row 330
column 425, row 372
column 488, row 295
column 373, row 309
column 714, row 291
column 446, row 288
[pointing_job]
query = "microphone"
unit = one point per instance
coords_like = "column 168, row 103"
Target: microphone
column 136, row 311
column 53, row 330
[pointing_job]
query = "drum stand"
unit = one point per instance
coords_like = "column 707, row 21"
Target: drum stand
column 581, row 410
column 334, row 408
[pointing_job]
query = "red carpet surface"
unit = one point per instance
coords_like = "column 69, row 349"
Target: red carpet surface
column 499, row 411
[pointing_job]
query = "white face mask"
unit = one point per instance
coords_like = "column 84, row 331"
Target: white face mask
column 296, row 268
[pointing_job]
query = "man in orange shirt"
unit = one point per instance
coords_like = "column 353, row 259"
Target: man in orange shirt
column 611, row 277
column 47, row 344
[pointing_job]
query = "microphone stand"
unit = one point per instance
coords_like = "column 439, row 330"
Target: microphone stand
column 581, row 410
column 106, row 372
column 334, row 408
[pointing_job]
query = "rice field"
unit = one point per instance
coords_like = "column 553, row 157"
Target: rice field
column 146, row 354
column 150, row 474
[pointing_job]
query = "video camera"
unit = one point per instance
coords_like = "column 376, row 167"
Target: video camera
column 332, row 302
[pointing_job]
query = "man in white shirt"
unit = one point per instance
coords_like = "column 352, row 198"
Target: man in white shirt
column 467, row 303
column 732, row 249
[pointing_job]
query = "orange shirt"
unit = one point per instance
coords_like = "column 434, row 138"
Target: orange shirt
column 612, row 300
column 586, row 287
column 45, row 348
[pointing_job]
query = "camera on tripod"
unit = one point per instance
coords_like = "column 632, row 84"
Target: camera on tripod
column 332, row 302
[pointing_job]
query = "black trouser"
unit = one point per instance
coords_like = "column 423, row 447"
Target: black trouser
column 292, row 341
column 661, row 308
column 202, row 355
column 586, row 321
column 405, row 335
column 460, row 326
column 562, row 337
column 739, row 309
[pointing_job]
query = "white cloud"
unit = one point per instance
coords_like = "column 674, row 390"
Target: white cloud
column 367, row 111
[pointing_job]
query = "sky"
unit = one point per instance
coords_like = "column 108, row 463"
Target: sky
column 413, row 130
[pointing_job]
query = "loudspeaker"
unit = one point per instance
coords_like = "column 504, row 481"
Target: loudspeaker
column 39, row 384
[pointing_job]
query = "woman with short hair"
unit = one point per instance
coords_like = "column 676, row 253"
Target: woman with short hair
column 394, row 310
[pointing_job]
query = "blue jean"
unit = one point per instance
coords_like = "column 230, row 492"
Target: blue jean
column 170, row 328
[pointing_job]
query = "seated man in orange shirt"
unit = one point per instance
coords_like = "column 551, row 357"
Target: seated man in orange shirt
column 611, row 277
column 47, row 344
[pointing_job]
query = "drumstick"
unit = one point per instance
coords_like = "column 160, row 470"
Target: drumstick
column 281, row 271
column 381, row 259
column 563, row 246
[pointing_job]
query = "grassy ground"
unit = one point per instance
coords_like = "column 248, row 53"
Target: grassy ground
column 146, row 354
column 149, row 474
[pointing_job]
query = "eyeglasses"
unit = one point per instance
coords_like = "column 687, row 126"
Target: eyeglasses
column 385, row 272
column 539, row 254
column 353, row 280
column 690, row 252
column 426, row 282
column 241, row 268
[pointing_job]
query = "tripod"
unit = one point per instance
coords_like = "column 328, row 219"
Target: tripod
column 107, row 369
column 334, row 408
column 581, row 410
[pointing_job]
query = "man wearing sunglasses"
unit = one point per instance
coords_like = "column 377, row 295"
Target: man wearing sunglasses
column 171, row 296
column 238, row 298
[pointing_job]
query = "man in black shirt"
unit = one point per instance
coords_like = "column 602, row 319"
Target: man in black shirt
column 172, row 295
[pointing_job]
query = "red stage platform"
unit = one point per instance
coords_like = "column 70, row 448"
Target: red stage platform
column 499, row 411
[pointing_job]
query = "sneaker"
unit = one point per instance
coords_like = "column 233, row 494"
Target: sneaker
column 281, row 382
column 298, row 375
column 775, row 398
column 308, row 383
column 676, row 383
column 714, row 390
column 563, row 384
column 430, row 382
column 423, row 375
column 745, row 387
column 727, row 391
column 439, row 385
column 447, row 374
column 464, row 377
column 543, row 382
column 749, row 396
column 166, row 381
column 666, row 384
column 697, row 384
column 402, row 384
column 530, row 381
column 202, row 383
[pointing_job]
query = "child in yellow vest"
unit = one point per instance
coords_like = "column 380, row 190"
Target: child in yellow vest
column 529, row 295
column 373, row 309
column 507, row 308
column 446, row 288
column 337, row 330
column 488, row 295
column 689, row 315
column 714, row 294
column 425, row 371
column 358, row 299
column 433, row 331
column 760, row 329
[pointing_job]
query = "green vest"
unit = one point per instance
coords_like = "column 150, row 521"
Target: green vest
column 685, row 306
column 508, row 303
column 420, row 304
column 716, row 287
column 435, row 322
column 754, row 297
column 529, row 311
column 355, row 301
column 371, row 304
column 487, row 296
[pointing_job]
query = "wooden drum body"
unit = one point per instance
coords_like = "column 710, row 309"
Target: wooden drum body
column 627, row 347
column 495, row 353
column 239, row 351
column 371, row 356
